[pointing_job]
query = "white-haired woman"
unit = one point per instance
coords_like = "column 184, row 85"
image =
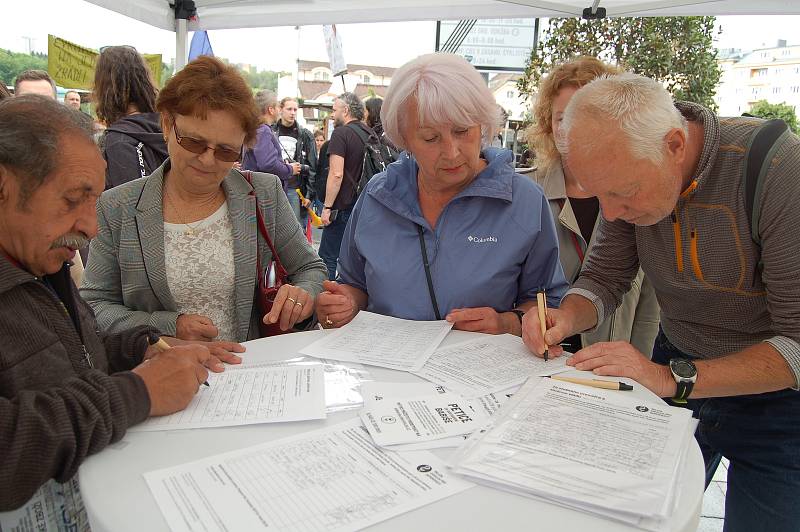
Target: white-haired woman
column 450, row 230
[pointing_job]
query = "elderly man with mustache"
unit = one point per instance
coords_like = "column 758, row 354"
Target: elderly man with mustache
column 66, row 389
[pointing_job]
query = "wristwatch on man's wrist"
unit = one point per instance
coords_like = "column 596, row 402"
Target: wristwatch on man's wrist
column 685, row 374
column 519, row 313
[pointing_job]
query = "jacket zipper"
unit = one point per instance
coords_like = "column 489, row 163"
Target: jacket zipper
column 676, row 231
column 86, row 354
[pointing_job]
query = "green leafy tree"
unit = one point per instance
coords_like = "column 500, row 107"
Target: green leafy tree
column 784, row 111
column 677, row 51
column 12, row 63
column 262, row 79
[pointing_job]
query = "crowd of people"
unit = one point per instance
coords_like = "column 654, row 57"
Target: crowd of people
column 637, row 225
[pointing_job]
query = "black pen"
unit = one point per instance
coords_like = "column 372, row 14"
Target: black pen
column 159, row 343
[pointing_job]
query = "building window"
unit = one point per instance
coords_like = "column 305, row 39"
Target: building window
column 758, row 72
column 321, row 75
column 795, row 89
column 510, row 94
column 776, row 90
column 366, row 80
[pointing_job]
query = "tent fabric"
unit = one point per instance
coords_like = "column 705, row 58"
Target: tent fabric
column 231, row 14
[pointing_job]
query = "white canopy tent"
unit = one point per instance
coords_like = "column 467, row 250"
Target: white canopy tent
column 231, row 14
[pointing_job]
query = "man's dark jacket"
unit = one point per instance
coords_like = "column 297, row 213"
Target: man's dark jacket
column 65, row 391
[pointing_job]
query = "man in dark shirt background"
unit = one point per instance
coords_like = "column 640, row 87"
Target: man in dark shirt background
column 346, row 152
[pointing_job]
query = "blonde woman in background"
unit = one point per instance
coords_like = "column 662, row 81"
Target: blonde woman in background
column 576, row 213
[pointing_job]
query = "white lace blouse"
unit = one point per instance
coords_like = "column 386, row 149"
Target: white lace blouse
column 200, row 269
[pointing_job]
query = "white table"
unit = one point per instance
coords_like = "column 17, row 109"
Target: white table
column 117, row 498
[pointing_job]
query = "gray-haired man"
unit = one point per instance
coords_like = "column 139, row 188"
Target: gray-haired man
column 346, row 151
column 66, row 390
column 669, row 178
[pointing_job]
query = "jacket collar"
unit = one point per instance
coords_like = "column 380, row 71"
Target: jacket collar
column 553, row 183
column 12, row 275
column 711, row 137
column 398, row 190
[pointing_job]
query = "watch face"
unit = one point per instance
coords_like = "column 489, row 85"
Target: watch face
column 682, row 368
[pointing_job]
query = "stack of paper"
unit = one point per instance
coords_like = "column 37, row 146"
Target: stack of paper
column 604, row 452
column 383, row 341
column 376, row 395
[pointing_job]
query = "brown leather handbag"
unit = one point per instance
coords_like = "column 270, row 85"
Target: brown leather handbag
column 267, row 290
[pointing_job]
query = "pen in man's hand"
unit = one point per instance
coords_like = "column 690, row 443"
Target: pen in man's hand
column 159, row 343
column 541, row 303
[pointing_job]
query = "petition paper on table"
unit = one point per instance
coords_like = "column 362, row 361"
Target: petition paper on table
column 243, row 395
column 382, row 341
column 403, row 420
column 488, row 364
column 333, row 479
column 484, row 406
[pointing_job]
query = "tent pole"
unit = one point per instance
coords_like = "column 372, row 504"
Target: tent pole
column 181, row 40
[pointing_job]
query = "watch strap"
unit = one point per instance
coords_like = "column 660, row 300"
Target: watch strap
column 683, row 391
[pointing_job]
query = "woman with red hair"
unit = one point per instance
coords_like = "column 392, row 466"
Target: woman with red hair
column 178, row 249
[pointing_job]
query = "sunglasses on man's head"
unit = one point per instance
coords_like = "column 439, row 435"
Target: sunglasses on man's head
column 199, row 147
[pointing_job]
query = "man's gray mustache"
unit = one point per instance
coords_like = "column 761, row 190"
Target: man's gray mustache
column 73, row 241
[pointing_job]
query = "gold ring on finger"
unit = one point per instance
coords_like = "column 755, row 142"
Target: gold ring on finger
column 293, row 300
column 298, row 303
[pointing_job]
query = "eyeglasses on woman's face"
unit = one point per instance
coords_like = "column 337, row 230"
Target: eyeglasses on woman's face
column 199, row 147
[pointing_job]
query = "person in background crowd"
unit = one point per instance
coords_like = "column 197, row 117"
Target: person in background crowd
column 372, row 117
column 319, row 139
column 179, row 249
column 35, row 82
column 73, row 100
column 345, row 157
column 125, row 97
column 297, row 145
column 266, row 155
column 452, row 203
column 67, row 390
column 577, row 212
column 4, row 92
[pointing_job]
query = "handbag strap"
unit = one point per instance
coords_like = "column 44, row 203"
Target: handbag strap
column 262, row 228
column 428, row 272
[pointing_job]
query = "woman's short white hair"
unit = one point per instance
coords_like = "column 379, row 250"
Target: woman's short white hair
column 641, row 107
column 447, row 90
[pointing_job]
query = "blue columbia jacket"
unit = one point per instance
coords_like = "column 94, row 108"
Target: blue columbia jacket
column 494, row 244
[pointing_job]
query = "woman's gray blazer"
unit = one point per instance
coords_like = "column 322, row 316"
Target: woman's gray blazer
column 125, row 280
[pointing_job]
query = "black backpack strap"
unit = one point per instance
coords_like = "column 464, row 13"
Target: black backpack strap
column 765, row 140
column 761, row 148
column 362, row 134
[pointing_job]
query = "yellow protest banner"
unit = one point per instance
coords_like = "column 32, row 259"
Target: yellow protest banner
column 72, row 65
column 154, row 62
